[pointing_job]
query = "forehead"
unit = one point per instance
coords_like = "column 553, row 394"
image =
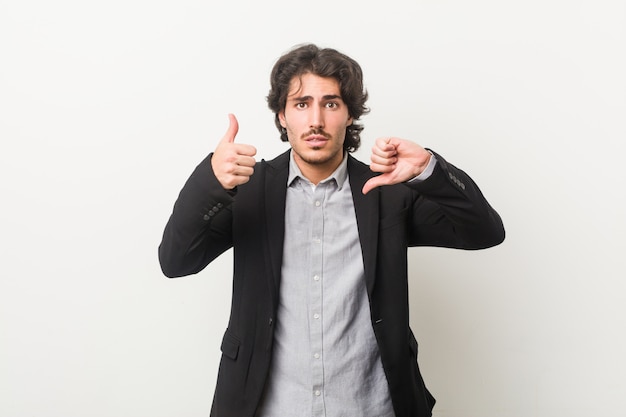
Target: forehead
column 312, row 85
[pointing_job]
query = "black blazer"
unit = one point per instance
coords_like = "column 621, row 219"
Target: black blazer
column 446, row 210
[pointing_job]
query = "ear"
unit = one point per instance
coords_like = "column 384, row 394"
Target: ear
column 281, row 118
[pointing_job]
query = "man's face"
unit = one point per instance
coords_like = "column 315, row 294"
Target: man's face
column 316, row 118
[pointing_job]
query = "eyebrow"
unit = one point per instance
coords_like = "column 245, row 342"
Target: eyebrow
column 324, row 98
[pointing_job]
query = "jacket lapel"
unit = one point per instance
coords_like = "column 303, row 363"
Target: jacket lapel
column 366, row 208
column 275, row 187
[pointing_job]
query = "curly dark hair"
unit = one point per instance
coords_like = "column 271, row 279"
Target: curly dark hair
column 324, row 62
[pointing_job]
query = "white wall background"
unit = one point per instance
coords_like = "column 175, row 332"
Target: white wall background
column 106, row 107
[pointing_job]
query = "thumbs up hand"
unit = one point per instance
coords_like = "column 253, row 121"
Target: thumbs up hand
column 233, row 163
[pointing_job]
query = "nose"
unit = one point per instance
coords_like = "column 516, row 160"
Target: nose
column 316, row 118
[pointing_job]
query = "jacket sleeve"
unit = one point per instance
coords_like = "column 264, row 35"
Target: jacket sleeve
column 200, row 226
column 450, row 211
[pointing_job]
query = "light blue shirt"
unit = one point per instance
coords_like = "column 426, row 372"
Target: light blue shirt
column 326, row 361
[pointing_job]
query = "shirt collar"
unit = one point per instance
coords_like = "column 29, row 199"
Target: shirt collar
column 340, row 175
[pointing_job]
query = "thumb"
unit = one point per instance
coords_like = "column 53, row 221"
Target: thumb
column 233, row 128
column 373, row 183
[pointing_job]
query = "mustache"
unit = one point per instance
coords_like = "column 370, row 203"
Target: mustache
column 319, row 132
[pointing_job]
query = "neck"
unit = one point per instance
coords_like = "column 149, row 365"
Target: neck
column 317, row 171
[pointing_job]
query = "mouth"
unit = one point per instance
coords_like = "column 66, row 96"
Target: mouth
column 316, row 140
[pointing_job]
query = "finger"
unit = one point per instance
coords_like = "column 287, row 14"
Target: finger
column 233, row 175
column 374, row 182
column 386, row 144
column 245, row 161
column 383, row 148
column 382, row 168
column 246, row 150
column 384, row 153
column 233, row 128
column 383, row 160
column 245, row 171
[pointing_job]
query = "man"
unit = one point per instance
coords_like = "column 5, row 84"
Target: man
column 319, row 323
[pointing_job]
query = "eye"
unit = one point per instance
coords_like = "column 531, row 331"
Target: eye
column 301, row 105
column 332, row 105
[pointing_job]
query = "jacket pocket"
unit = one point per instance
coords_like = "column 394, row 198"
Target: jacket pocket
column 230, row 345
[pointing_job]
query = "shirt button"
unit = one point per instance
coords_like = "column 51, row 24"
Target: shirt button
column 316, row 356
column 317, row 204
column 316, row 278
column 318, row 393
column 316, row 316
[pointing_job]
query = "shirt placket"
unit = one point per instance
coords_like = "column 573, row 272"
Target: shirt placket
column 316, row 301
